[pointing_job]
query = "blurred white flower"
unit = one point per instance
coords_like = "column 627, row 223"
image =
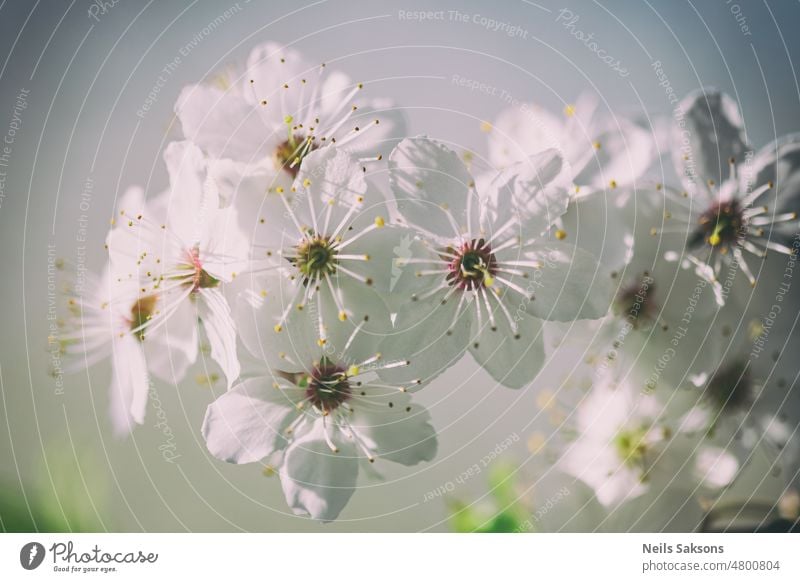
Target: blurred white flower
column 747, row 400
column 661, row 315
column 728, row 211
column 627, row 441
column 179, row 250
column 103, row 322
column 603, row 150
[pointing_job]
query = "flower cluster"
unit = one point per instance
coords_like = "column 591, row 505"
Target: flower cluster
column 683, row 396
column 333, row 266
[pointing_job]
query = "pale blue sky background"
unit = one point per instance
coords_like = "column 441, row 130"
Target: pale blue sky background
column 86, row 81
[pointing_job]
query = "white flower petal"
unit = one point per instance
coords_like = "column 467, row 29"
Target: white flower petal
column 624, row 154
column 223, row 247
column 214, row 312
column 521, row 131
column 533, row 191
column 171, row 349
column 222, row 123
column 711, row 133
column 246, row 186
column 247, row 423
column 569, row 284
column 427, row 335
column 401, row 433
column 595, row 463
column 179, row 335
column 429, row 181
column 129, row 385
column 331, row 173
column 384, row 247
column 715, row 467
column 271, row 66
column 193, row 198
column 602, row 224
column 512, row 357
column 779, row 163
column 315, row 480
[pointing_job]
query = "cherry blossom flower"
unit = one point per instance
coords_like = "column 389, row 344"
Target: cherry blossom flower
column 733, row 207
column 259, row 124
column 331, row 248
column 105, row 321
column 179, row 250
column 627, row 441
column 481, row 275
column 320, row 415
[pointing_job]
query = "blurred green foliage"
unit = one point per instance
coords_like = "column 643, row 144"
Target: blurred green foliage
column 505, row 512
column 69, row 493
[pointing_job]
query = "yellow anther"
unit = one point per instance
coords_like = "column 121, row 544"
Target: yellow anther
column 486, row 127
column 342, row 316
column 561, row 234
column 569, row 110
column 715, row 238
column 353, row 371
column 379, row 222
column 278, row 328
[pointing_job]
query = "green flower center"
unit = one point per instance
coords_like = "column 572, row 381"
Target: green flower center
column 315, row 258
column 474, row 265
column 632, row 447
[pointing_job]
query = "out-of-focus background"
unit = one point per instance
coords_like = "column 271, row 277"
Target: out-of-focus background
column 86, row 107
